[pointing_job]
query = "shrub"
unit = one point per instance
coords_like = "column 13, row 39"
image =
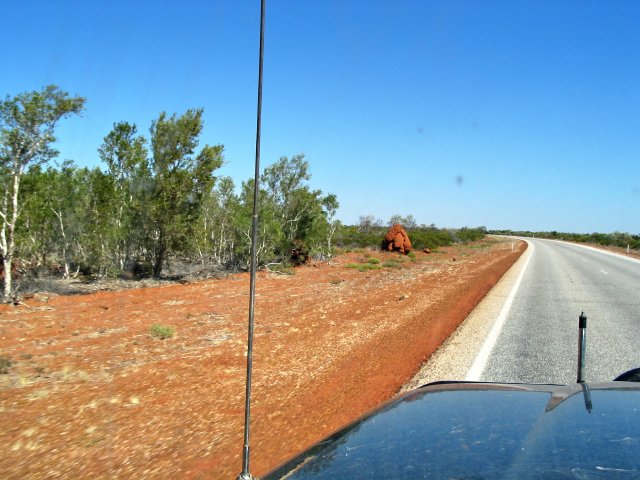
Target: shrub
column 373, row 260
column 161, row 331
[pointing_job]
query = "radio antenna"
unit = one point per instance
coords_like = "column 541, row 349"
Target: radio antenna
column 245, row 475
column 582, row 345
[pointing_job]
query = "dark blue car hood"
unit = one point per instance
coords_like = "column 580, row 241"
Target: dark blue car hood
column 481, row 430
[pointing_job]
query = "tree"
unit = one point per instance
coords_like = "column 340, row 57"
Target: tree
column 67, row 209
column 220, row 211
column 181, row 180
column 368, row 222
column 125, row 154
column 27, row 125
column 294, row 220
column 407, row 222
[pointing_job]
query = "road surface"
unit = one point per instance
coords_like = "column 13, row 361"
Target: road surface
column 526, row 330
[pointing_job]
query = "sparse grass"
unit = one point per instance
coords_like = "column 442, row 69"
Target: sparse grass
column 5, row 365
column 363, row 267
column 161, row 331
column 282, row 268
column 412, row 255
column 373, row 260
column 369, row 266
column 392, row 264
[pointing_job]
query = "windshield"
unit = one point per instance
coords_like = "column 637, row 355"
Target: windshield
column 443, row 182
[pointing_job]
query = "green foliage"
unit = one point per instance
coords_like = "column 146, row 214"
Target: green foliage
column 467, row 235
column 351, row 236
column 296, row 222
column 283, row 268
column 181, row 180
column 373, row 260
column 27, row 125
column 155, row 199
column 392, row 263
column 125, row 196
column 161, row 331
column 368, row 266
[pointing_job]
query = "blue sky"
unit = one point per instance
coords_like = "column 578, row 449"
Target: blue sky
column 520, row 115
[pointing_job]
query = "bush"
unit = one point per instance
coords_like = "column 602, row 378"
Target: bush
column 349, row 237
column 161, row 331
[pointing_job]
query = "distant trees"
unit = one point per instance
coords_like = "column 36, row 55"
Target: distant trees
column 366, row 223
column 27, row 125
column 407, row 222
column 355, row 236
column 615, row 239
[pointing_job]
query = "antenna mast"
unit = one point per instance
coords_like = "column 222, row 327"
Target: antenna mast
column 245, row 475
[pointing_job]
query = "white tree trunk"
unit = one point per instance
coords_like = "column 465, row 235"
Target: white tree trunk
column 8, row 231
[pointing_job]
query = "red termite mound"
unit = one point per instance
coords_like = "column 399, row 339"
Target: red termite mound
column 397, row 239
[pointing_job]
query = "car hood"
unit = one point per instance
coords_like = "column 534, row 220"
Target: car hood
column 486, row 430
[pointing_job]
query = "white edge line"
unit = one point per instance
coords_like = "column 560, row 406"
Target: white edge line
column 480, row 362
column 599, row 250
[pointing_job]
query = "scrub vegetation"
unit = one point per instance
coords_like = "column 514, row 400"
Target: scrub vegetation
column 155, row 207
column 155, row 200
column 161, row 331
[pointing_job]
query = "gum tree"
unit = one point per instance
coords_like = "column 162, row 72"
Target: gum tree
column 125, row 155
column 27, row 125
column 181, row 179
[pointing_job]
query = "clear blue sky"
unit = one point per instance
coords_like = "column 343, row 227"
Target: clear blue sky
column 508, row 114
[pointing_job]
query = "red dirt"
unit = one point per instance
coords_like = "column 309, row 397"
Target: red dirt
column 91, row 394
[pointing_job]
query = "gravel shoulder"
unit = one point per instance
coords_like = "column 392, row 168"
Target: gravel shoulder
column 455, row 357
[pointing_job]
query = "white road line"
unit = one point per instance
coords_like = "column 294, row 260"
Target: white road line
column 604, row 272
column 599, row 250
column 481, row 359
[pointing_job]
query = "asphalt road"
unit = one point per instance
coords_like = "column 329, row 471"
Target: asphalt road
column 526, row 328
column 538, row 339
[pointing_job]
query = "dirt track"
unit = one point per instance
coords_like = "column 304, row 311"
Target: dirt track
column 91, row 394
